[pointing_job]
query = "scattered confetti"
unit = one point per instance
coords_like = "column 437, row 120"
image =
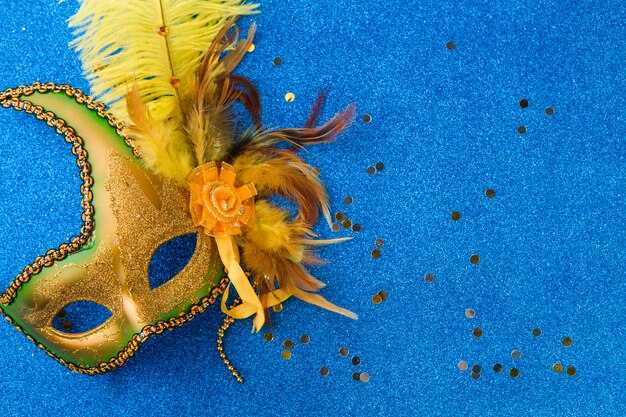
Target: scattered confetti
column 286, row 355
column 523, row 103
column 557, row 367
column 536, row 332
column 356, row 361
column 376, row 253
column 339, row 216
column 344, row 351
column 462, row 365
column 477, row 332
column 366, row 118
column 514, row 372
column 571, row 371
column 470, row 313
column 516, row 354
column 549, row 111
column 269, row 337
column 450, row 45
column 356, row 376
column 278, row 308
column 475, row 259
column 252, row 47
column 522, row 130
column 288, row 344
column 347, row 223
column 490, row 193
column 278, row 61
column 364, row 377
column 371, row 170
column 456, row 216
column 379, row 242
column 289, row 97
column 567, row 341
column 380, row 166
column 497, row 368
column 305, row 339
column 429, row 278
column 356, row 228
column 335, row 227
column 324, row 371
column 348, row 200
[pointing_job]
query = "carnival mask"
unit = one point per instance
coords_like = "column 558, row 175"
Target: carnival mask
column 168, row 162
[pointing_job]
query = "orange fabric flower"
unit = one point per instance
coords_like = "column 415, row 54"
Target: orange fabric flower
column 217, row 204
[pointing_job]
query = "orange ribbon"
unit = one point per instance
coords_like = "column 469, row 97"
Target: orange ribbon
column 223, row 211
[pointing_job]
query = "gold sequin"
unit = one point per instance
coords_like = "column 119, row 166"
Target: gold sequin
column 429, row 278
column 305, row 339
column 347, row 224
column 379, row 242
column 252, row 47
column 536, row 332
column 383, row 295
column 278, row 308
column 163, row 30
column 376, row 253
column 475, row 259
column 286, row 355
column 523, row 103
column 269, row 337
column 557, row 367
column 549, row 111
column 324, row 371
column 175, row 82
column 348, row 200
column 288, row 344
column 289, row 97
column 377, row 299
column 490, row 193
column 344, row 351
column 456, row 216
column 514, row 372
column 567, row 341
column 450, row 45
column 371, row 170
column 470, row 313
column 339, row 216
column 571, row 371
column 477, row 332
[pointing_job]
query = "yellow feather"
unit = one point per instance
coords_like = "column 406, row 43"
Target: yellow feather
column 118, row 43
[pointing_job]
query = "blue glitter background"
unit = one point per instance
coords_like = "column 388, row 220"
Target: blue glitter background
column 445, row 123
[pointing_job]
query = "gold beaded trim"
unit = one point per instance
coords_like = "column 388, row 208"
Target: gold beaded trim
column 10, row 98
column 228, row 320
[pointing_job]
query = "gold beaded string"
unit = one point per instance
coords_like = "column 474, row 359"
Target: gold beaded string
column 220, row 343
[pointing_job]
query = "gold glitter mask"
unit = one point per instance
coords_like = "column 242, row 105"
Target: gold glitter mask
column 128, row 215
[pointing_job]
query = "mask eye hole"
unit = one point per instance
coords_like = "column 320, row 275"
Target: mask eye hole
column 170, row 258
column 80, row 317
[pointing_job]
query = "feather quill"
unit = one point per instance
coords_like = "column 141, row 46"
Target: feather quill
column 118, row 44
